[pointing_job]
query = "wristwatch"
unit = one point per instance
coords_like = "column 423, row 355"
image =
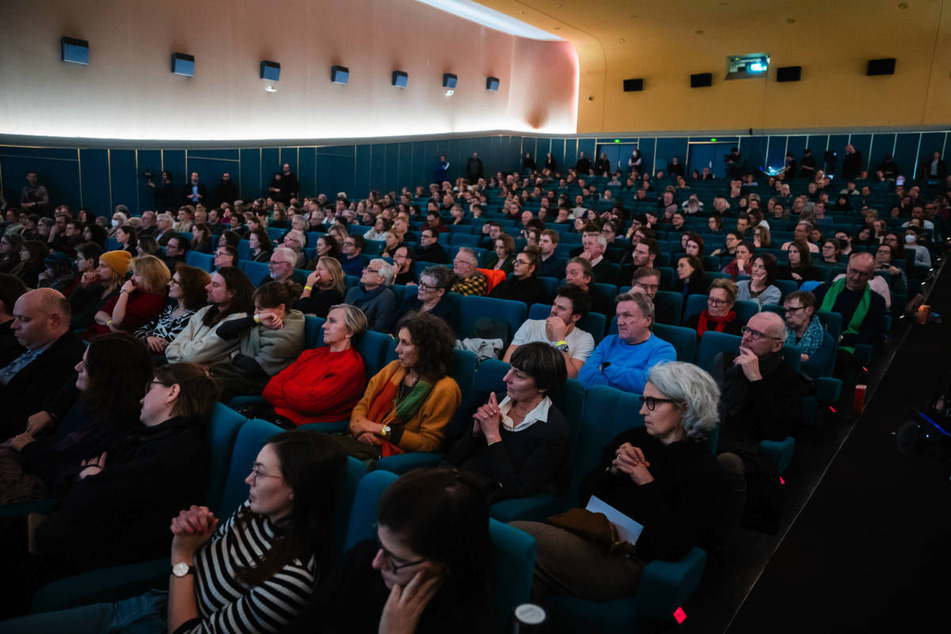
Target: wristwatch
column 182, row 569
column 562, row 346
column 387, row 430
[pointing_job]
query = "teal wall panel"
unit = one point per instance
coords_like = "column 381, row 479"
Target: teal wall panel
column 123, row 179
column 94, row 169
column 56, row 168
column 250, row 185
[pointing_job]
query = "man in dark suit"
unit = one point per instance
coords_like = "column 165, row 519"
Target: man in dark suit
column 41, row 324
column 194, row 191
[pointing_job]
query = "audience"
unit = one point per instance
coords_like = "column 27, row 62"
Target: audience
column 324, row 288
column 258, row 569
column 431, row 291
column 559, row 330
column 229, row 295
column 805, row 331
column 469, row 279
column 141, row 299
column 661, row 475
column 408, row 404
column 423, row 521
column 624, row 360
column 523, row 285
column 374, row 297
column 759, row 288
column 719, row 315
column 325, row 383
column 268, row 340
column 518, row 447
column 760, row 400
column 51, row 350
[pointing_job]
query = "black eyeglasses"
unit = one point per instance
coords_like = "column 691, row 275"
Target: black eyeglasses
column 794, row 309
column 755, row 335
column 651, row 401
column 390, row 558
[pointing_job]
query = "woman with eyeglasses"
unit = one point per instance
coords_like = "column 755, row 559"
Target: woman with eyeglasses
column 523, row 286
column 252, row 573
column 434, row 283
column 719, row 315
column 759, row 288
column 428, row 570
column 661, row 475
column 186, row 294
column 117, row 510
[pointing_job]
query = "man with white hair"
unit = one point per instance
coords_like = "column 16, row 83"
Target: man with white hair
column 166, row 228
column 594, row 246
column 281, row 266
column 374, row 297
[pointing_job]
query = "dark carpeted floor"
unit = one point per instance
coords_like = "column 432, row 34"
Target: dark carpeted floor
column 866, row 541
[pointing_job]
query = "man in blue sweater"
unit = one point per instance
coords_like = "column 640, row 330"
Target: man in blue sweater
column 624, row 360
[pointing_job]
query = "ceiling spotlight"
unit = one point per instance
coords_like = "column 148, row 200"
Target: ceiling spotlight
column 450, row 92
column 271, row 89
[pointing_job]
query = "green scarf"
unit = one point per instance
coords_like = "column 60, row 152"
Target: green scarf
column 857, row 317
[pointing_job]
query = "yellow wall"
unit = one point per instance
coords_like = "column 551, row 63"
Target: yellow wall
column 128, row 91
column 831, row 40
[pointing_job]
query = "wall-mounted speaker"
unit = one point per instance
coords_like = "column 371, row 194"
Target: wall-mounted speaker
column 700, row 80
column 74, row 51
column 400, row 79
column 884, row 66
column 789, row 73
column 449, row 80
column 492, row 83
column 633, row 85
column 270, row 70
column 183, row 64
column 339, row 74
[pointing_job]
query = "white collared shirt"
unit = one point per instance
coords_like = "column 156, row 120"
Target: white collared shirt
column 537, row 415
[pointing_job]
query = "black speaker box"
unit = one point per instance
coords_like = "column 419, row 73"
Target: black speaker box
column 881, row 66
column 789, row 73
column 633, row 85
column 700, row 80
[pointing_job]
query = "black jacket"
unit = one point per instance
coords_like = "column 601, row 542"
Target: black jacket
column 28, row 390
column 122, row 514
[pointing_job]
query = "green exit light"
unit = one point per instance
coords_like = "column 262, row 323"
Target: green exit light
column 713, row 140
column 617, row 140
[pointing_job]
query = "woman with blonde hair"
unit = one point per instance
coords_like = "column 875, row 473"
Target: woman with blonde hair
column 141, row 299
column 325, row 287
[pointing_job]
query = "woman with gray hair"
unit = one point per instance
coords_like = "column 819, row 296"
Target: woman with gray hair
column 662, row 476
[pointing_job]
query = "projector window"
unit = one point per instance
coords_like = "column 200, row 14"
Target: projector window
column 747, row 66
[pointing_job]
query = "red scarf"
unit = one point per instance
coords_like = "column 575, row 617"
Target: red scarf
column 719, row 322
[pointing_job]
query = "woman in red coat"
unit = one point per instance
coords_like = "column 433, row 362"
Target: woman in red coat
column 325, row 383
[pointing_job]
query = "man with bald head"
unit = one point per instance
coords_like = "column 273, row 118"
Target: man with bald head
column 759, row 400
column 52, row 350
column 862, row 309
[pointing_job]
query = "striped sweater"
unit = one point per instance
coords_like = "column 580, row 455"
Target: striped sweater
column 227, row 605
